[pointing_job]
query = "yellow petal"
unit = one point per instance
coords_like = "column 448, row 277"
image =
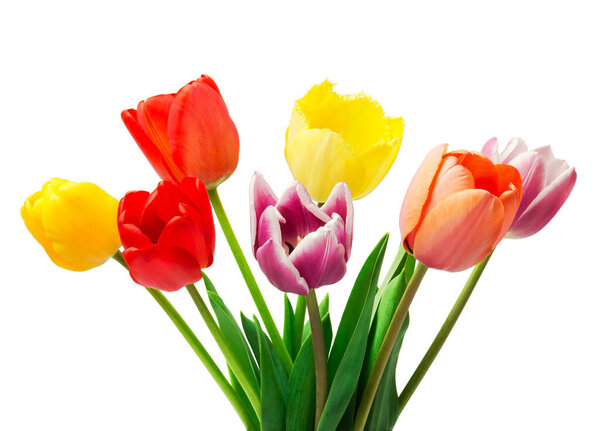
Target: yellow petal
column 370, row 140
column 76, row 223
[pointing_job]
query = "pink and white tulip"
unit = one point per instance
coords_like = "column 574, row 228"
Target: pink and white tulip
column 547, row 183
column 298, row 245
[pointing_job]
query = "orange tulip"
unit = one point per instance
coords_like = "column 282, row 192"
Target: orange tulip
column 457, row 208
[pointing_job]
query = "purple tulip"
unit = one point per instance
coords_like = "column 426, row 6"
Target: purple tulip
column 298, row 245
column 547, row 183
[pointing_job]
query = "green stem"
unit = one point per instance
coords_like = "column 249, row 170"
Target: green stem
column 230, row 357
column 387, row 346
column 318, row 341
column 442, row 335
column 199, row 349
column 259, row 300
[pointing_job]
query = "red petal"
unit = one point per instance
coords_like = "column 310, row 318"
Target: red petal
column 152, row 153
column 184, row 232
column 164, row 268
column 203, row 139
column 194, row 190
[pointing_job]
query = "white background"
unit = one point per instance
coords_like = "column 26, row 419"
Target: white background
column 92, row 351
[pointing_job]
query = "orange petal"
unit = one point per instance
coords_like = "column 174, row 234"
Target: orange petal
column 418, row 192
column 482, row 168
column 459, row 231
column 451, row 179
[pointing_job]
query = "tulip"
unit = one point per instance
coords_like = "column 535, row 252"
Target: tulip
column 547, row 183
column 76, row 223
column 457, row 208
column 168, row 235
column 187, row 133
column 333, row 138
column 298, row 245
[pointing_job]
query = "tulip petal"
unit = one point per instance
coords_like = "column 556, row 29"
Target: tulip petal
column 164, row 268
column 514, row 147
column 131, row 206
column 533, row 175
column 320, row 159
column 320, row 258
column 301, row 214
column 340, row 202
column 261, row 197
column 184, row 232
column 152, row 116
column 163, row 167
column 161, row 206
column 194, row 190
column 418, row 192
column 203, row 139
column 278, row 268
column 457, row 242
column 451, row 179
column 375, row 163
column 510, row 203
column 490, row 150
column 269, row 227
column 545, row 206
column 554, row 166
column 132, row 236
column 482, row 169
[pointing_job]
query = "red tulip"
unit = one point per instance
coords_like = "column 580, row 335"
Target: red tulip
column 168, row 235
column 187, row 133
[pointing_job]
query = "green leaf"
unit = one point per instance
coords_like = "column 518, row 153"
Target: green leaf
column 272, row 394
column 384, row 411
column 288, row 325
column 299, row 316
column 300, row 410
column 253, row 339
column 349, row 347
column 233, row 335
column 235, row 383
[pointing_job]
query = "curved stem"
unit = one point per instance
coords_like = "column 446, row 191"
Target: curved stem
column 387, row 346
column 442, row 335
column 230, row 357
column 199, row 349
column 259, row 300
column 318, row 341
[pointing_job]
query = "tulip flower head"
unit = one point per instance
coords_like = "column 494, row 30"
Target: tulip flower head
column 457, row 208
column 298, row 245
column 168, row 235
column 76, row 223
column 333, row 138
column 547, row 183
column 187, row 133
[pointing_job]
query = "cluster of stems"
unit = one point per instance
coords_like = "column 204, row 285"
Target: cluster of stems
column 251, row 418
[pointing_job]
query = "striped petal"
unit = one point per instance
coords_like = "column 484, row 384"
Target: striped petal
column 280, row 272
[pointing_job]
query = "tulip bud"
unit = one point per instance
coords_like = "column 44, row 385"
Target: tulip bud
column 333, row 138
column 547, row 183
column 168, row 235
column 457, row 208
column 298, row 245
column 76, row 223
column 187, row 133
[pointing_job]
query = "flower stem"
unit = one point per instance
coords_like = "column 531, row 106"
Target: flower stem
column 259, row 300
column 230, row 357
column 387, row 346
column 318, row 341
column 442, row 335
column 199, row 349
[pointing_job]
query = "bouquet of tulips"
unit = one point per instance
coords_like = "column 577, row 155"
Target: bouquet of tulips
column 458, row 207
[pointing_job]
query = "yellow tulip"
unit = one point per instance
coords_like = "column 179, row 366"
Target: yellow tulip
column 336, row 138
column 76, row 223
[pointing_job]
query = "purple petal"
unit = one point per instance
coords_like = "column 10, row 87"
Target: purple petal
column 340, row 202
column 319, row 257
column 261, row 196
column 269, row 227
column 490, row 150
column 554, row 166
column 514, row 147
column 301, row 214
column 544, row 207
column 533, row 173
column 278, row 268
